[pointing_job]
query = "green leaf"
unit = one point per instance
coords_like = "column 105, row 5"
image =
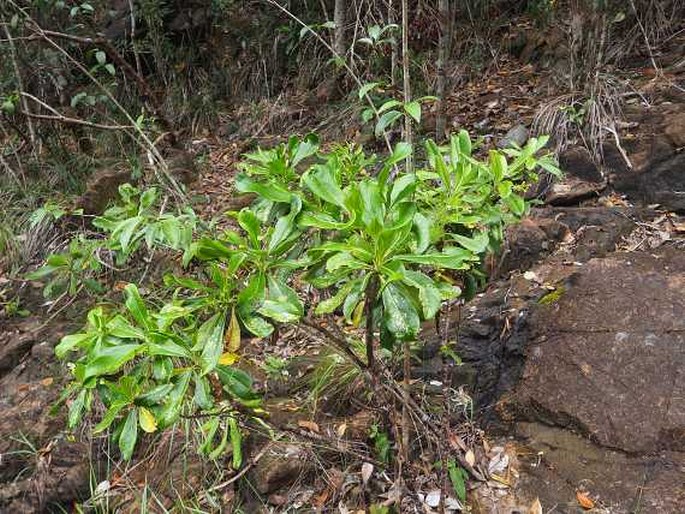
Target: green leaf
column 401, row 151
column 498, row 165
column 73, row 341
column 250, row 298
column 136, row 306
column 210, row 337
column 517, row 204
column 125, row 231
column 119, row 326
column 282, row 303
column 109, row 416
column 172, row 408
column 42, row 272
column 388, row 105
column 203, row 395
column 332, row 303
column 450, row 258
column 101, row 57
column 207, row 249
column 285, row 225
column 110, row 360
column 477, row 244
column 385, row 121
column 76, row 409
column 324, row 184
column 413, row 109
column 399, row 315
column 168, row 348
column 237, row 382
column 367, row 88
column 251, row 225
column 257, row 326
column 129, row 435
column 155, row 395
column 236, row 443
column 305, row 148
column 272, row 192
column 343, row 260
column 422, row 227
column 403, row 187
column 458, row 478
column 429, row 294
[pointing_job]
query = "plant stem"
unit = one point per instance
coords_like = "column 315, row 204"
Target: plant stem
column 405, row 399
column 406, row 79
column 443, row 54
column 369, row 303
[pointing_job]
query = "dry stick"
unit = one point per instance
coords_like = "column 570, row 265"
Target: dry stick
column 340, row 59
column 406, row 83
column 393, row 55
column 245, row 469
column 444, row 44
column 387, row 389
column 153, row 154
column 20, row 84
column 139, row 68
column 116, row 57
column 657, row 70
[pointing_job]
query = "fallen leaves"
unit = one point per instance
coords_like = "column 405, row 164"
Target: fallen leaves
column 309, row 425
column 584, row 500
column 535, row 507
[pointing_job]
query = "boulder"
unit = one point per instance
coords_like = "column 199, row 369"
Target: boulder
column 607, row 354
column 582, row 178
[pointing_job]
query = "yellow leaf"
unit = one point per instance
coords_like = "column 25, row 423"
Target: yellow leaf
column 470, row 457
column 147, row 420
column 309, row 425
column 228, row 358
column 232, row 337
column 342, row 428
column 357, row 314
column 535, row 507
column 584, row 500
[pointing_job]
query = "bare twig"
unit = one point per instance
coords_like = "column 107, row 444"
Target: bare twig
column 20, row 84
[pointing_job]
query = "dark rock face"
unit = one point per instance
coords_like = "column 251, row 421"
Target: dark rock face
column 658, row 163
column 56, row 471
column 607, row 358
column 663, row 183
column 583, row 179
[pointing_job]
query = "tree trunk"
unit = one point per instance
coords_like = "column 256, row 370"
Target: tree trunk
column 339, row 43
column 444, row 46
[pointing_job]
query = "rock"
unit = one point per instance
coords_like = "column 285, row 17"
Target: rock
column 527, row 242
column 608, row 354
column 662, row 183
column 578, row 162
column 280, row 466
column 582, row 179
column 572, row 191
column 675, row 130
column 555, row 463
column 517, row 135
